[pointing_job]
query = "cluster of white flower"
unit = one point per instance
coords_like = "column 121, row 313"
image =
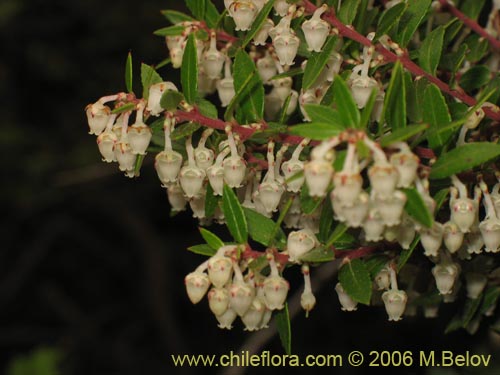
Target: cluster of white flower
column 253, row 297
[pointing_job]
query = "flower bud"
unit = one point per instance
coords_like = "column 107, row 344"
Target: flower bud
column 476, row 282
column 361, row 88
column 348, row 304
column 243, row 13
column 383, row 179
column 226, row 320
column 431, row 239
column 234, row 171
column 124, row 156
column 97, row 117
column 474, row 119
column 106, row 142
column 241, row 296
column 139, row 135
column 395, row 303
column 155, row 93
column 406, row 164
column 168, row 164
column 225, row 89
column 286, row 46
column 253, row 316
column 259, row 206
column 299, row 243
column 197, row 284
column 275, row 292
column 490, row 231
column 176, row 197
column 220, row 270
column 452, row 237
column 191, row 180
column 348, row 186
column 391, row 208
column 270, row 193
column 318, row 174
column 463, row 213
column 445, row 276
column 383, row 279
column 307, row 301
column 218, row 300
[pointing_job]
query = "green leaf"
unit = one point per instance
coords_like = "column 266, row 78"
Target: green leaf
column 233, row 213
column 440, row 197
column 138, row 165
column 325, row 222
column 212, row 15
column 189, row 70
column 175, row 17
column 184, row 130
column 375, row 264
column 128, row 73
column 175, row 30
column 464, row 158
column 435, row 112
column 454, row 60
column 348, row 11
column 389, row 18
column 430, row 50
column 290, row 73
column 367, row 110
column 454, row 324
column 282, row 319
column 478, row 47
column 345, row 103
column 406, row 253
column 403, row 134
column 308, row 204
column 470, row 308
column 472, row 8
column 491, row 296
column 197, row 8
column 211, row 201
column 394, row 111
column 355, row 279
column 170, row 99
column 416, row 207
column 123, row 108
column 326, row 115
column 212, row 240
column 315, row 130
column 318, row 255
column 317, row 62
column 206, row 108
column 260, row 229
column 249, row 90
column 202, row 250
column 149, row 77
column 411, row 19
column 258, row 22
column 475, row 77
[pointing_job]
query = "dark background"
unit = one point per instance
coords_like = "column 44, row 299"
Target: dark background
column 92, row 266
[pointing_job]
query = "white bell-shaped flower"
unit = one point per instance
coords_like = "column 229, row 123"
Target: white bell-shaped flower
column 383, row 279
column 406, row 164
column 283, row 87
column 197, row 205
column 243, row 14
column 391, row 208
column 316, row 30
column 355, row 215
column 291, row 169
column 124, row 156
column 106, row 142
column 206, row 86
column 474, row 119
column 318, row 175
column 216, row 178
column 490, row 231
column 292, row 220
column 405, row 232
column 168, row 164
column 155, row 93
column 361, row 88
column 373, row 226
column 259, row 206
column 445, row 275
column 281, row 7
column 97, row 116
column 348, row 186
column 299, row 243
column 431, row 239
column 176, row 197
column 213, row 59
column 220, row 270
column 261, row 37
column 453, row 237
column 463, row 213
column 241, row 296
column 292, row 104
column 253, row 316
column 286, row 46
column 395, row 303
column 191, row 179
column 275, row 292
column 333, row 65
column 266, row 318
column 234, row 170
column 474, row 242
column 226, row 319
column 266, row 67
column 139, row 135
column 225, row 90
column 383, row 179
column 475, row 284
column 347, row 303
column 227, row 4
column 176, row 55
column 218, row 300
column 270, row 193
column 197, row 284
column 204, row 157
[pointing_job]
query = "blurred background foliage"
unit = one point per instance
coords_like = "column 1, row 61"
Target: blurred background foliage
column 92, row 265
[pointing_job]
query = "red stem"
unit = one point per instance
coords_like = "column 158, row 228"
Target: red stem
column 351, row 33
column 471, row 24
column 354, row 254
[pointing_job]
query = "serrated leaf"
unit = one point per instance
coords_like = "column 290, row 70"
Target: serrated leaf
column 411, row 19
column 149, row 77
column 436, row 114
column 475, row 77
column 317, row 62
column 212, row 239
column 464, row 158
column 189, row 70
column 260, row 229
column 175, row 30
column 175, row 17
column 233, row 213
column 202, row 250
column 170, row 99
column 355, row 279
column 394, row 111
column 416, row 208
column 308, row 204
column 184, row 130
column 431, row 49
column 124, row 108
column 282, row 319
column 129, row 73
column 389, row 18
column 348, row 11
column 249, row 90
column 345, row 104
column 315, row 130
column 258, row 22
column 318, row 255
column 403, row 134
